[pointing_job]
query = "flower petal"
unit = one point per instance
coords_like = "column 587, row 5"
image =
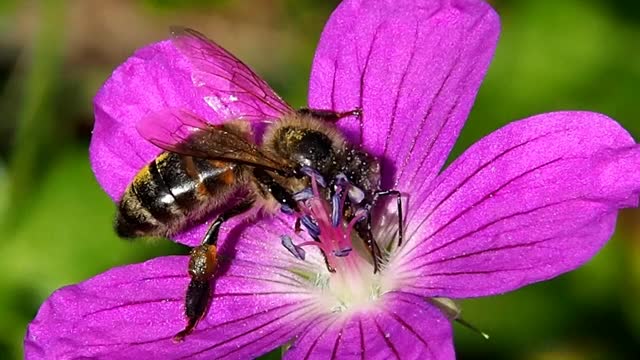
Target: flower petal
column 535, row 199
column 414, row 67
column 132, row 312
column 400, row 326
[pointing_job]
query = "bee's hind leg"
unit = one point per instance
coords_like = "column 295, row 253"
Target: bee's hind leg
column 363, row 228
column 202, row 265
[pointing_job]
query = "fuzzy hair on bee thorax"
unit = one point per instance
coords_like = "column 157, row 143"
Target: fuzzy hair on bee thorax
column 318, row 144
column 306, row 141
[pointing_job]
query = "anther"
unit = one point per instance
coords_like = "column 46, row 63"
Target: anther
column 286, row 209
column 361, row 214
column 311, row 226
column 311, row 172
column 304, row 194
column 336, row 208
column 356, row 195
column 294, row 249
column 337, row 200
column 342, row 252
column 342, row 180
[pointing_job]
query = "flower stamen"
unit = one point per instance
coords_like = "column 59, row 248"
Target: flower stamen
column 342, row 252
column 338, row 200
column 310, row 225
column 294, row 249
column 328, row 223
column 304, row 194
column 314, row 175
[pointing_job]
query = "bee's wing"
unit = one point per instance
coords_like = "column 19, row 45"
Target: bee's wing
column 231, row 88
column 182, row 132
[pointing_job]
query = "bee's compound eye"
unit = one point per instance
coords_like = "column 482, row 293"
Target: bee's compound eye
column 315, row 150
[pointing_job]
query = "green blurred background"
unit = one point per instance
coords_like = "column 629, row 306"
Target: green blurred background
column 56, row 221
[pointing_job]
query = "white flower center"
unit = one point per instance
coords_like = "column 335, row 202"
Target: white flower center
column 345, row 279
column 350, row 287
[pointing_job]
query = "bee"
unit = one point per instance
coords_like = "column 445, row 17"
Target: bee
column 203, row 165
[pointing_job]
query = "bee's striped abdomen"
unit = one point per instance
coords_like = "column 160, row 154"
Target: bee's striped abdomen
column 215, row 177
column 178, row 178
column 153, row 193
column 165, row 194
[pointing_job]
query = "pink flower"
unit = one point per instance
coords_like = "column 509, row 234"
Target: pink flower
column 532, row 200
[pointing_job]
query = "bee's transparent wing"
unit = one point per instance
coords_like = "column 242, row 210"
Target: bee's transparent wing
column 182, row 132
column 230, row 87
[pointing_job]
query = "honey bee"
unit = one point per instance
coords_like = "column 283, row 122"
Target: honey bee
column 203, row 165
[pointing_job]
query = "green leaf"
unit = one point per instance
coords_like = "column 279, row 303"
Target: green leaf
column 66, row 237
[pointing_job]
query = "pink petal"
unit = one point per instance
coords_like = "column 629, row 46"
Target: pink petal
column 134, row 311
column 535, row 199
column 414, row 67
column 399, row 326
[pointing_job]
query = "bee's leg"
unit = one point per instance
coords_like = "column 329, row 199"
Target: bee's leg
column 211, row 237
column 202, row 265
column 271, row 186
column 363, row 228
column 286, row 199
column 398, row 196
column 329, row 115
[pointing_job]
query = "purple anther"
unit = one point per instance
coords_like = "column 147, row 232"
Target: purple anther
column 361, row 214
column 356, row 195
column 304, row 194
column 336, row 208
column 294, row 249
column 341, row 183
column 342, row 252
column 341, row 180
column 311, row 172
column 310, row 225
column 286, row 209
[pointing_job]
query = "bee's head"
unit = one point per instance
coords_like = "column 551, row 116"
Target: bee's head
column 362, row 169
column 306, row 147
